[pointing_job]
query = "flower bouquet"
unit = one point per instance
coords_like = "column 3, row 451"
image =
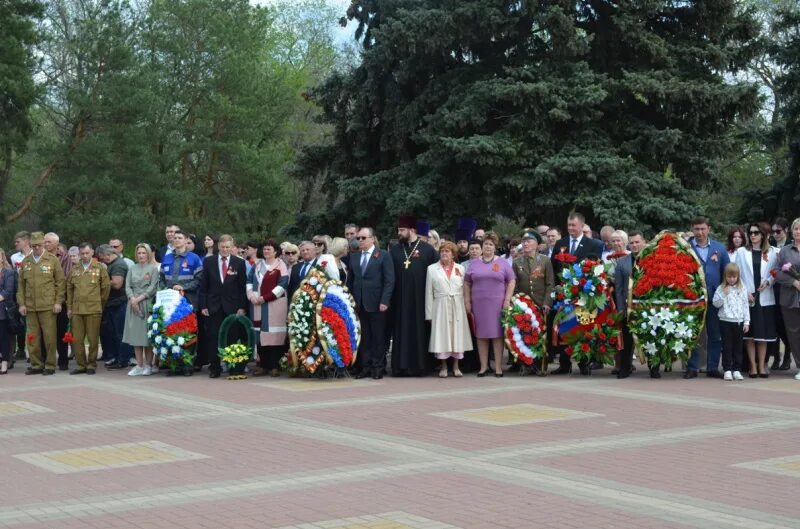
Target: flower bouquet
column 523, row 328
column 667, row 305
column 302, row 323
column 585, row 319
column 337, row 324
column 236, row 355
column 172, row 329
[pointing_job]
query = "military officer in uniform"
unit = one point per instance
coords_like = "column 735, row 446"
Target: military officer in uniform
column 40, row 298
column 534, row 275
column 88, row 286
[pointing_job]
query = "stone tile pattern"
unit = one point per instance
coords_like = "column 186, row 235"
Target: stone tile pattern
column 156, row 452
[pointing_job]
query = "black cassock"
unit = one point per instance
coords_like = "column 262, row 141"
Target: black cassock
column 410, row 331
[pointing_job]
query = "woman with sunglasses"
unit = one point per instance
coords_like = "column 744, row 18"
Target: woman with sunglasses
column 323, row 258
column 757, row 261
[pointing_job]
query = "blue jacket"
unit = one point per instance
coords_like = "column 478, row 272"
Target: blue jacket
column 188, row 275
column 714, row 266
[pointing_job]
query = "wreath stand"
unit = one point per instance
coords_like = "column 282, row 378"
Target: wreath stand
column 236, row 371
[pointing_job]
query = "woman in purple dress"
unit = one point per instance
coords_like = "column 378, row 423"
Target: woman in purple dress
column 488, row 287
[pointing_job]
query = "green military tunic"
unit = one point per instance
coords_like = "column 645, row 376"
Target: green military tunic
column 535, row 278
column 41, row 288
column 87, row 292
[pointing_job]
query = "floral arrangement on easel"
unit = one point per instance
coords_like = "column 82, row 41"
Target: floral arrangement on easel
column 338, row 326
column 523, row 329
column 173, row 335
column 586, row 321
column 667, row 305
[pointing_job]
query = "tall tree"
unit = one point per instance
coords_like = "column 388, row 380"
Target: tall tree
column 620, row 109
column 18, row 90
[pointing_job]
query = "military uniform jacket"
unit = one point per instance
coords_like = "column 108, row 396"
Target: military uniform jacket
column 87, row 290
column 535, row 278
column 41, row 285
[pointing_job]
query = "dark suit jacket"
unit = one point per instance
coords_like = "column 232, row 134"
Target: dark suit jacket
column 227, row 294
column 374, row 286
column 588, row 247
column 294, row 277
column 622, row 274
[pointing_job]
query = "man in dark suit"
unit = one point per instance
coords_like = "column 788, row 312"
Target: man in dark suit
column 222, row 292
column 372, row 282
column 581, row 246
column 302, row 267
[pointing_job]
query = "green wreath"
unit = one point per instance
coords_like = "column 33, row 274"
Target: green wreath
column 236, row 355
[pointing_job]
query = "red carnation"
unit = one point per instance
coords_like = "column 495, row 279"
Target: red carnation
column 602, row 348
column 585, row 347
column 528, row 339
column 602, row 336
column 575, row 290
column 68, row 337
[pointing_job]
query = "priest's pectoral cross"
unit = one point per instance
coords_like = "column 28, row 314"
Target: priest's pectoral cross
column 407, row 263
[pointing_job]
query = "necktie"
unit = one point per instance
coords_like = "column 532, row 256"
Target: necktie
column 224, row 267
column 364, row 256
column 304, row 270
column 572, row 246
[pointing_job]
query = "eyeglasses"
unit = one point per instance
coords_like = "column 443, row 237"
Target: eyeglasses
column 317, row 243
column 290, row 253
column 779, row 230
column 755, row 233
column 362, row 238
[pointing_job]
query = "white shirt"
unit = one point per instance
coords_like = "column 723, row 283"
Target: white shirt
column 17, row 258
column 577, row 242
column 361, row 256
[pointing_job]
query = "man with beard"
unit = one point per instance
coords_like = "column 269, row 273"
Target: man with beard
column 411, row 259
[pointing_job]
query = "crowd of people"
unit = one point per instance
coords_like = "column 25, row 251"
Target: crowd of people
column 431, row 303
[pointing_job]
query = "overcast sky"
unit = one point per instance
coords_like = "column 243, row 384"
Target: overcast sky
column 341, row 35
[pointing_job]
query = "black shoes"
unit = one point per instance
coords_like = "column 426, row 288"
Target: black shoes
column 33, row 371
column 623, row 374
column 49, row 372
column 213, row 373
column 713, row 374
column 363, row 374
column 690, row 374
column 90, row 371
column 78, row 371
column 482, row 374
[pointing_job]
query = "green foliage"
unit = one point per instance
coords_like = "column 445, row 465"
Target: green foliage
column 17, row 89
column 622, row 110
column 185, row 112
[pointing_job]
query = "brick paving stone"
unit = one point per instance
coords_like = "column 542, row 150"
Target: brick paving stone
column 398, row 454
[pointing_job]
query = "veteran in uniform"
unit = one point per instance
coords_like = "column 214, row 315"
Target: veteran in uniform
column 534, row 275
column 88, row 286
column 40, row 298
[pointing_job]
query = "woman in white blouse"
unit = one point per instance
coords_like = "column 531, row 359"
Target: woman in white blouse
column 757, row 262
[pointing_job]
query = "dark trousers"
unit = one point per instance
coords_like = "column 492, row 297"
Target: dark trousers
column 5, row 341
column 626, row 355
column 270, row 356
column 201, row 357
column 213, row 324
column 732, row 337
column 21, row 337
column 112, row 326
column 774, row 348
column 373, row 339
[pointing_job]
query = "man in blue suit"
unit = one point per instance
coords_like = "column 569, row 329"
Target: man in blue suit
column 714, row 257
column 371, row 282
column 301, row 269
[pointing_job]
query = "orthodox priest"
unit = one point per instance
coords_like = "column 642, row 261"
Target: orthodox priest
column 411, row 258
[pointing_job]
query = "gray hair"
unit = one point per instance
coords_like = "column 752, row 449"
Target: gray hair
column 51, row 235
column 305, row 243
column 795, row 223
column 621, row 234
column 73, row 250
column 104, row 249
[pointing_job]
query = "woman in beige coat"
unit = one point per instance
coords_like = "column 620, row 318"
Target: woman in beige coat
column 444, row 307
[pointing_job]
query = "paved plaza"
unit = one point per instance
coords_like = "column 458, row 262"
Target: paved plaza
column 112, row 451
